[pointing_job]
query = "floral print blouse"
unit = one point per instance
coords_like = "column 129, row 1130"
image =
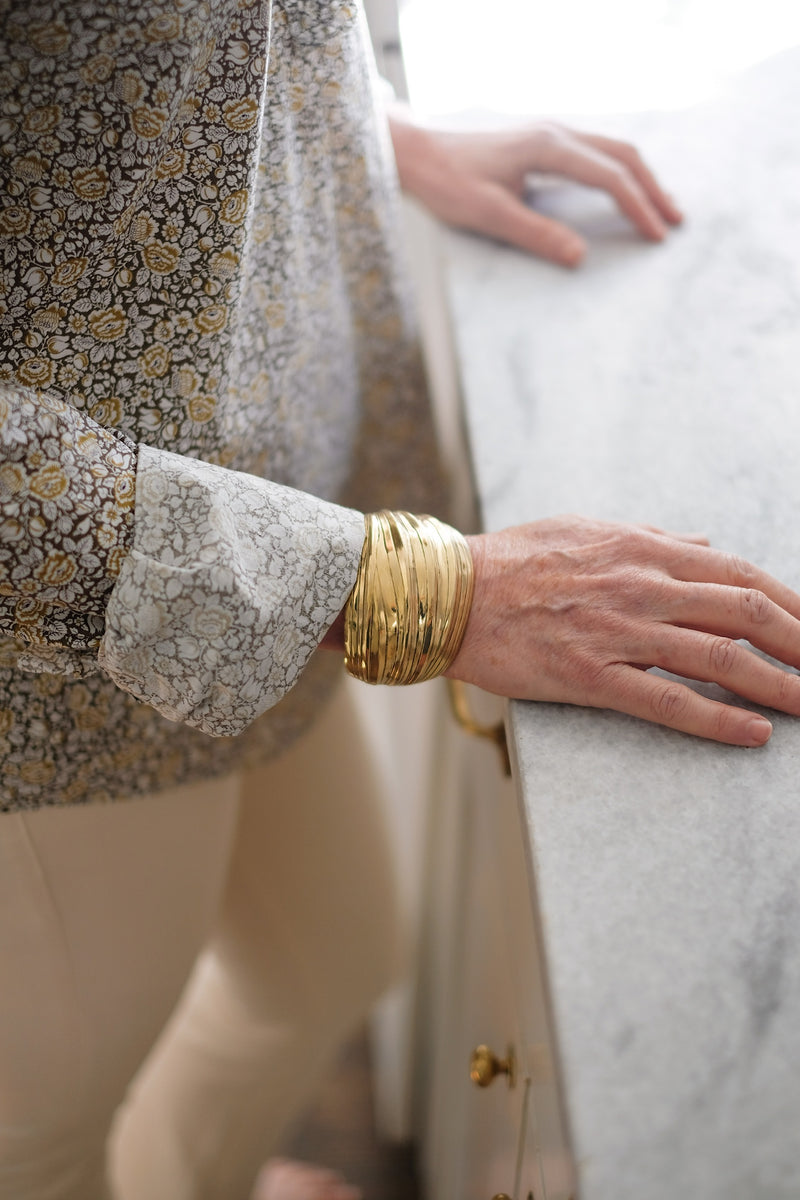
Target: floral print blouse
column 207, row 368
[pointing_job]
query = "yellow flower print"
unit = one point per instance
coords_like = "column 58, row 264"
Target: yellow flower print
column 130, row 88
column 108, row 324
column 86, row 442
column 211, row 319
column 69, row 271
column 78, row 697
column 43, row 119
column 50, row 482
column 233, row 208
column 225, row 263
column 48, row 320
column 98, row 69
column 142, row 228
column 240, row 115
column 116, row 557
column 30, row 167
column 56, row 570
column 172, row 164
column 90, row 183
column 125, row 489
column 161, row 257
column 29, row 612
column 107, row 412
column 163, row 28
column 148, row 122
column 49, row 685
column 35, row 372
column 15, row 221
column 12, row 479
column 202, row 408
column 40, row 772
column 186, row 381
column 91, row 718
column 105, row 536
column 49, row 37
column 155, row 361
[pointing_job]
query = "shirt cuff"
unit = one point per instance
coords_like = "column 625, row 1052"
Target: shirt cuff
column 230, row 585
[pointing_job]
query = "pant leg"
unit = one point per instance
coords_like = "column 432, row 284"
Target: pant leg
column 103, row 909
column 308, row 936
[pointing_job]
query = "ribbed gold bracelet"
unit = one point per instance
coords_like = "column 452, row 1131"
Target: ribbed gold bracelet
column 406, row 616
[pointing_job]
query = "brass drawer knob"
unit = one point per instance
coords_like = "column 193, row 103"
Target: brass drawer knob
column 484, row 1066
column 501, row 1196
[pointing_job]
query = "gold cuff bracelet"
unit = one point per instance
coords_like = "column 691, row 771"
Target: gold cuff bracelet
column 406, row 616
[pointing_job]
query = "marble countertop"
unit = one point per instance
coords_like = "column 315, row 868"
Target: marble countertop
column 662, row 384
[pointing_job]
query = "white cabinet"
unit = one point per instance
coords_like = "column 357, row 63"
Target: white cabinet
column 483, row 985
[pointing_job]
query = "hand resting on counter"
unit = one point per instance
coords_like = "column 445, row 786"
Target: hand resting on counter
column 476, row 181
column 575, row 611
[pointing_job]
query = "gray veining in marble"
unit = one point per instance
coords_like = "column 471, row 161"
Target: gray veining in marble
column 662, row 384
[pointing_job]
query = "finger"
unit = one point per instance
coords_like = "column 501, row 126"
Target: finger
column 720, row 660
column 698, row 564
column 677, row 706
column 741, row 613
column 630, row 156
column 498, row 213
column 578, row 159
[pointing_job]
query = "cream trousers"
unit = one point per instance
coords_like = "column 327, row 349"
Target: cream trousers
column 213, row 944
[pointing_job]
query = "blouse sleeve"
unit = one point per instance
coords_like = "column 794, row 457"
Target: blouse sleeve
column 202, row 591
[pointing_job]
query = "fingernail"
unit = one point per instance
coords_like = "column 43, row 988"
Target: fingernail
column 758, row 731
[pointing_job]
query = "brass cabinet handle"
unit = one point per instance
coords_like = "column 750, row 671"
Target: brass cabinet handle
column 493, row 733
column 484, row 1066
column 501, row 1196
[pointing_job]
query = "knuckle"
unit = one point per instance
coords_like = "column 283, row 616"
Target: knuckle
column 756, row 607
column 629, row 153
column 722, row 655
column 669, row 703
column 740, row 572
column 619, row 179
column 723, row 724
column 787, row 693
column 549, row 133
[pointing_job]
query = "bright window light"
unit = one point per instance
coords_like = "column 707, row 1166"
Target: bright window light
column 584, row 56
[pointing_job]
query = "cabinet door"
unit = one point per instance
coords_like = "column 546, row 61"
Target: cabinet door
column 546, row 1172
column 483, row 984
column 493, row 1115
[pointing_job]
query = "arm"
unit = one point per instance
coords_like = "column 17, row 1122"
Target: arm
column 204, row 599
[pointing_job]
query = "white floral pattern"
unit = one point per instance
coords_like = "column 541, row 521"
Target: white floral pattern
column 228, row 588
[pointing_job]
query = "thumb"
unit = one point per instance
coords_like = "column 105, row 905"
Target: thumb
column 500, row 214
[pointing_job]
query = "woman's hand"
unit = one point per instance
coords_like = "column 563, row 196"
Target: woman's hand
column 575, row 611
column 477, row 181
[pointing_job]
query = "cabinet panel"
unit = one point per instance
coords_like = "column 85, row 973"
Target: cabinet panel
column 483, row 984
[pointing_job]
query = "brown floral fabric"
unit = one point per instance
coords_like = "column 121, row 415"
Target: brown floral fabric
column 66, row 499
column 198, row 251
